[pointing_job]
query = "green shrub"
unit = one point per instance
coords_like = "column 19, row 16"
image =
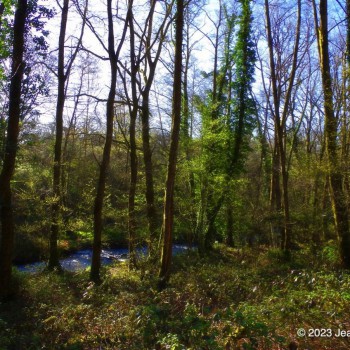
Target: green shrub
column 113, row 236
column 330, row 253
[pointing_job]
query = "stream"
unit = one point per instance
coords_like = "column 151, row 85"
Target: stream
column 81, row 259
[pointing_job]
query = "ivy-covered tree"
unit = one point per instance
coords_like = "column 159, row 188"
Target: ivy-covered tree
column 213, row 109
column 230, row 120
column 243, row 110
column 338, row 198
column 28, row 19
column 242, row 116
column 6, row 208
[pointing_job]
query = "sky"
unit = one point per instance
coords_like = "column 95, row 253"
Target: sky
column 100, row 82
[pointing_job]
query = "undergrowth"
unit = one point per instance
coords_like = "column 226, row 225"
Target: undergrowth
column 231, row 299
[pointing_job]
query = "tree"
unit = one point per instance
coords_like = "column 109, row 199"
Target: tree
column 242, row 122
column 6, row 209
column 227, row 123
column 147, row 37
column 280, row 119
column 211, row 109
column 62, row 76
column 151, row 44
column 339, row 205
column 36, row 81
column 187, row 141
column 168, row 215
column 133, row 105
column 113, row 55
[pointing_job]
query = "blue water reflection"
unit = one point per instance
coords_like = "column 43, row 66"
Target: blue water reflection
column 81, row 259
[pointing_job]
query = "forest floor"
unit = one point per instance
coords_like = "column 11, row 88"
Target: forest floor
column 231, row 299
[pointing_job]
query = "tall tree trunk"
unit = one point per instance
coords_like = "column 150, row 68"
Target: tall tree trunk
column 229, row 224
column 326, row 234
column 151, row 54
column 206, row 242
column 55, row 225
column 212, row 213
column 275, row 198
column 101, row 184
column 133, row 109
column 280, row 118
column 243, row 107
column 61, row 99
column 187, row 133
column 6, row 209
column 276, row 104
column 316, row 234
column 338, row 198
column 168, row 215
column 132, row 192
column 147, row 158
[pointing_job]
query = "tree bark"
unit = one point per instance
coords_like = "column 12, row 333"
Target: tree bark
column 187, row 120
column 55, row 225
column 98, row 204
column 6, row 209
column 211, row 206
column 168, row 215
column 229, row 224
column 275, row 198
column 147, row 159
column 101, row 184
column 61, row 99
column 133, row 109
column 280, row 119
column 239, row 97
column 339, row 205
column 150, row 66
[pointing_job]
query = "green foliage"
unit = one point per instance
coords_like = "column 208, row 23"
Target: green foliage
column 113, row 236
column 84, row 235
column 229, row 299
column 228, row 118
column 34, row 81
column 330, row 253
column 242, row 120
column 171, row 341
column 5, row 31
